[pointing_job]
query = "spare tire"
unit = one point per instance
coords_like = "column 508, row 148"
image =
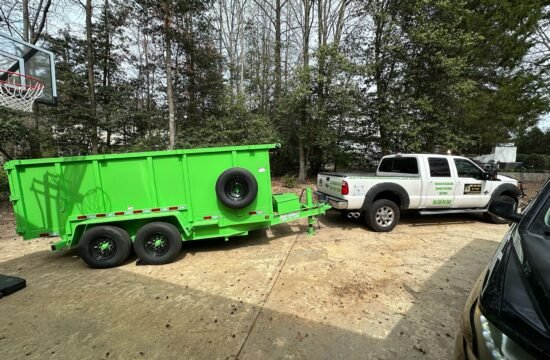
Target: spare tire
column 236, row 188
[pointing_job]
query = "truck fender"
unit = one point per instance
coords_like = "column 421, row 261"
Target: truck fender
column 506, row 189
column 377, row 189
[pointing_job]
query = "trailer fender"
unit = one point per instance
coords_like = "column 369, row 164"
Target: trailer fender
column 389, row 191
column 130, row 223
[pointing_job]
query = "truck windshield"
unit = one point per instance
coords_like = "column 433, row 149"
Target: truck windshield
column 466, row 169
column 402, row 165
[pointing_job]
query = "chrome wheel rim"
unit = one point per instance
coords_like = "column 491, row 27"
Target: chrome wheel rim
column 384, row 216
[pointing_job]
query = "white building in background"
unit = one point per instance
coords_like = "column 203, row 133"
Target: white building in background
column 502, row 153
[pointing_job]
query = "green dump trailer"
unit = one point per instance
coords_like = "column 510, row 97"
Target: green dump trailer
column 152, row 201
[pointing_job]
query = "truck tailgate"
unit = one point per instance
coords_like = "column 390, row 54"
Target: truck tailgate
column 330, row 184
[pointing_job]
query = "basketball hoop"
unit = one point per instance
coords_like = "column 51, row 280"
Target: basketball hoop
column 18, row 91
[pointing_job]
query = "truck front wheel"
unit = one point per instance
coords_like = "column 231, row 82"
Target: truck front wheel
column 157, row 243
column 382, row 215
column 105, row 246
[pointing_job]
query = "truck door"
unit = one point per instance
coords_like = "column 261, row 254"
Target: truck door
column 471, row 190
column 439, row 189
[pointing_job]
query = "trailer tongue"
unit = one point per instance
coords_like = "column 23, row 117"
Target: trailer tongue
column 151, row 201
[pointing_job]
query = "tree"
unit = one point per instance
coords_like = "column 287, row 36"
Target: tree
column 90, row 62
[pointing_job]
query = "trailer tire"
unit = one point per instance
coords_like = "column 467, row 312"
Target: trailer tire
column 495, row 219
column 104, row 246
column 157, row 243
column 236, row 188
column 382, row 216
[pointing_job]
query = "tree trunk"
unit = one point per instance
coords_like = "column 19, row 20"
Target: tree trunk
column 169, row 82
column 91, row 80
column 302, row 148
column 302, row 174
column 26, row 21
column 278, row 71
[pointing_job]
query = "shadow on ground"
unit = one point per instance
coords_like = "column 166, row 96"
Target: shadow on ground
column 71, row 312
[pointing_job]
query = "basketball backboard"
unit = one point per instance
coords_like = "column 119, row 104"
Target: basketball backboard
column 17, row 56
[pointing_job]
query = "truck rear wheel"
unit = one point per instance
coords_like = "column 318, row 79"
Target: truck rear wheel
column 382, row 215
column 105, row 246
column 495, row 219
column 158, row 243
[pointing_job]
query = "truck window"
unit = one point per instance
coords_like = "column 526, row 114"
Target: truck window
column 439, row 167
column 402, row 165
column 466, row 169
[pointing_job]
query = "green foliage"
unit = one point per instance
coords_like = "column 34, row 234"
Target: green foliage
column 234, row 125
column 3, row 180
column 534, row 161
column 289, row 181
column 534, row 141
column 15, row 137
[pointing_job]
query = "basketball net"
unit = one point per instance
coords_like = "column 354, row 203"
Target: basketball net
column 18, row 91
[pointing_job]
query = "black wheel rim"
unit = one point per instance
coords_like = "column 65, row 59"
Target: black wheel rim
column 236, row 188
column 157, row 245
column 103, row 248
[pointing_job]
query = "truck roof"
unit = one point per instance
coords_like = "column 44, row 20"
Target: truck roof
column 425, row 155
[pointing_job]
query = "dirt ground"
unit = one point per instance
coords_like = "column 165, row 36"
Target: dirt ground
column 344, row 293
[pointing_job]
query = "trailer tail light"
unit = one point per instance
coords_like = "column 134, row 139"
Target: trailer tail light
column 45, row 235
column 345, row 188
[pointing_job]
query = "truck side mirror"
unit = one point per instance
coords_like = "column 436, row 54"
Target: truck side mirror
column 485, row 176
column 505, row 209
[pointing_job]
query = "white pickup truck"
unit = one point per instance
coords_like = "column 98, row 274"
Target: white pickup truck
column 431, row 184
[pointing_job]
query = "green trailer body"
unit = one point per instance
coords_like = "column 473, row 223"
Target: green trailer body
column 66, row 197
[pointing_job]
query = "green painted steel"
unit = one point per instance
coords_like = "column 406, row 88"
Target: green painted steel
column 65, row 196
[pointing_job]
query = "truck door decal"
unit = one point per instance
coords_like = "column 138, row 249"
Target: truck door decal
column 443, row 188
column 470, row 189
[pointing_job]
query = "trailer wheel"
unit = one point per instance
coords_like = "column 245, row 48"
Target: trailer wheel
column 382, row 216
column 495, row 219
column 157, row 243
column 105, row 246
column 236, row 188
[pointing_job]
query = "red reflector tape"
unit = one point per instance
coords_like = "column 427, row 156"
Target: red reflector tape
column 207, row 218
column 173, row 208
column 155, row 209
column 100, row 215
column 252, row 213
column 81, row 217
column 138, row 211
column 119, row 213
column 44, row 235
